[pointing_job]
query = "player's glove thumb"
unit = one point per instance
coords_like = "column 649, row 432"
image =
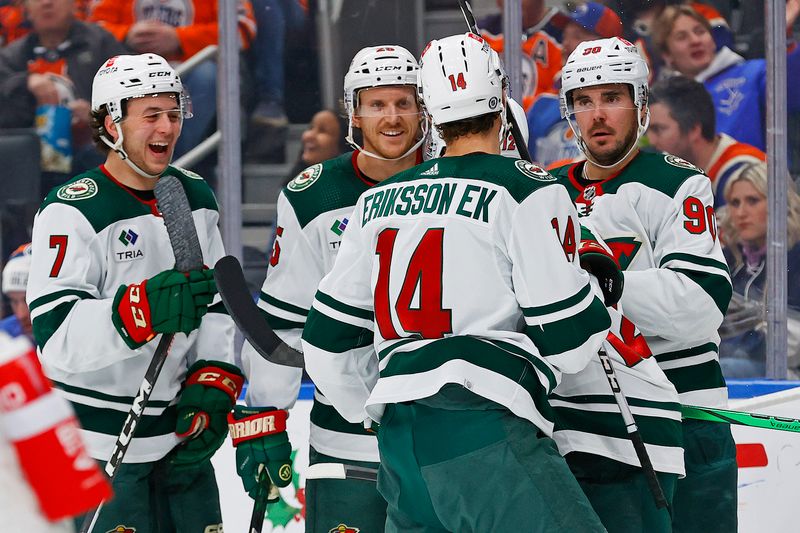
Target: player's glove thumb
column 259, row 435
column 601, row 264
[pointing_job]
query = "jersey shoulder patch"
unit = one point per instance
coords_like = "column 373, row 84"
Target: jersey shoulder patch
column 533, row 171
column 676, row 161
column 80, row 189
column 306, row 178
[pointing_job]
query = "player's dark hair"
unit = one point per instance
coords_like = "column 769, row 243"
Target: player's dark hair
column 98, row 127
column 689, row 104
column 468, row 126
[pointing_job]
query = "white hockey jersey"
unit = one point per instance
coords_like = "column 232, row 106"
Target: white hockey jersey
column 313, row 211
column 657, row 216
column 89, row 237
column 462, row 270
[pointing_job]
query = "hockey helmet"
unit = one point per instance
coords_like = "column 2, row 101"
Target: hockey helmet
column 461, row 77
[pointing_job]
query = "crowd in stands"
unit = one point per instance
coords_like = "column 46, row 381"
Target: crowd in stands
column 707, row 100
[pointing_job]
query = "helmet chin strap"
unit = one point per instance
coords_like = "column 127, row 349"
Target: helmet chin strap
column 117, row 147
column 642, row 127
column 410, row 151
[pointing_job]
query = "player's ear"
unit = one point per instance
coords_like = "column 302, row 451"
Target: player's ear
column 111, row 127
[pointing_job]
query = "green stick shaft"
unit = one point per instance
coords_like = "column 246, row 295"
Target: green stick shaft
column 742, row 418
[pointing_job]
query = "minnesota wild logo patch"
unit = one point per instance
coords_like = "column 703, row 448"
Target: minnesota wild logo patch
column 676, row 161
column 342, row 528
column 533, row 171
column 78, row 190
column 306, row 178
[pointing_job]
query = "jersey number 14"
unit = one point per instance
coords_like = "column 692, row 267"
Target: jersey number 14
column 423, row 275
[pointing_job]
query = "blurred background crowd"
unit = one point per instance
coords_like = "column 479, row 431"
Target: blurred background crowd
column 707, row 103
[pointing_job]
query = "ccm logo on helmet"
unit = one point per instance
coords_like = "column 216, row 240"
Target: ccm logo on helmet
column 160, row 73
column 388, row 68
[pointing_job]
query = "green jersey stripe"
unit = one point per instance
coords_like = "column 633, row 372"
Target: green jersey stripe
column 47, row 298
column 332, row 335
column 45, row 325
column 344, row 308
column 540, row 365
column 278, row 323
column 110, row 421
column 718, row 287
column 386, row 351
column 609, row 399
column 569, row 333
column 654, row 430
column 280, row 304
column 326, row 417
column 697, row 260
column 566, row 303
column 123, row 400
column 477, row 352
column 706, row 375
column 689, row 352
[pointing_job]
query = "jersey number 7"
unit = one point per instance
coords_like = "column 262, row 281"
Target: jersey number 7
column 423, row 274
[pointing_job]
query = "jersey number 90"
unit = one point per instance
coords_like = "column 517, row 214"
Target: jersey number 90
column 423, row 274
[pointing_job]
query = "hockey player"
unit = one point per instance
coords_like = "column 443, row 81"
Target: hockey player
column 103, row 287
column 461, row 273
column 656, row 213
column 313, row 211
column 14, row 285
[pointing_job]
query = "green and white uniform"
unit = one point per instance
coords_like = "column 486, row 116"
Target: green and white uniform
column 459, row 272
column 313, row 211
column 89, row 237
column 657, row 217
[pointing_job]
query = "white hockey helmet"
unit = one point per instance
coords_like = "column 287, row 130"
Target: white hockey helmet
column 602, row 62
column 435, row 145
column 18, row 266
column 132, row 76
column 379, row 66
column 460, row 77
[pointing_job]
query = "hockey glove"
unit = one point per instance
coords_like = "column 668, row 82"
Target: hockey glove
column 169, row 302
column 259, row 435
column 208, row 396
column 597, row 261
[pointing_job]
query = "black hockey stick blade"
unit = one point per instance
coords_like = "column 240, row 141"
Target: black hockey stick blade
column 247, row 316
column 469, row 17
column 174, row 206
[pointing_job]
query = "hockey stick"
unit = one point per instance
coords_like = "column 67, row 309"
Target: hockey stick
column 742, row 418
column 174, row 206
column 341, row 471
column 267, row 491
column 516, row 133
column 247, row 316
column 633, row 431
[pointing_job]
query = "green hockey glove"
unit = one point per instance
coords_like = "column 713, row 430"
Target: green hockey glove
column 259, row 435
column 169, row 302
column 208, row 396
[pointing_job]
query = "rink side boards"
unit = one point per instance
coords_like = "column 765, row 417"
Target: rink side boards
column 769, row 465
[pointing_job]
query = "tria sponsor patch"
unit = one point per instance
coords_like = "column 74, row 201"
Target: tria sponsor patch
column 79, row 190
column 306, row 178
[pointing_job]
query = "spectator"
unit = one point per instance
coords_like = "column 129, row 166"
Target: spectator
column 738, row 87
column 15, row 283
column 744, row 225
column 552, row 142
column 54, row 66
column 323, row 139
column 541, row 53
column 177, row 31
column 682, row 123
column 638, row 18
